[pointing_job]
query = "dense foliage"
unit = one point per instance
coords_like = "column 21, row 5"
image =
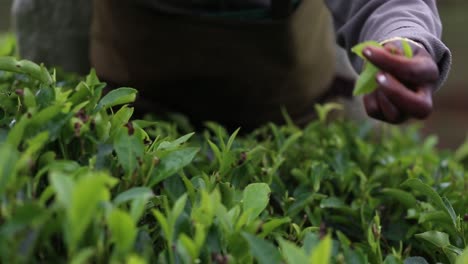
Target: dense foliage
column 83, row 182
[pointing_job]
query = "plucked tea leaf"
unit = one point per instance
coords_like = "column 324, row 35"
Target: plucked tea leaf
column 359, row 48
column 366, row 82
column 407, row 50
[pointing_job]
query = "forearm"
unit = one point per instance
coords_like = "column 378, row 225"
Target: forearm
column 360, row 20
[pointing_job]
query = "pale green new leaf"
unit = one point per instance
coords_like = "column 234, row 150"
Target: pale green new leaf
column 63, row 186
column 292, row 254
column 123, row 230
column 463, row 258
column 359, row 48
column 322, row 253
column 87, row 194
column 407, row 50
column 366, row 82
column 256, row 197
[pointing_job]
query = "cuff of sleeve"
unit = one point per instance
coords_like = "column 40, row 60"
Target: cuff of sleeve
column 401, row 39
column 439, row 52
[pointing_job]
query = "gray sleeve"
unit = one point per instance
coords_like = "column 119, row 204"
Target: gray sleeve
column 360, row 20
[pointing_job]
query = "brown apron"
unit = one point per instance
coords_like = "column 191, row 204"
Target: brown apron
column 236, row 71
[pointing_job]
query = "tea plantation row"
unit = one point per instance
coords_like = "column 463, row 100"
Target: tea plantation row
column 81, row 181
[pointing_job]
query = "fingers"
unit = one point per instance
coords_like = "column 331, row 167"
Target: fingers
column 372, row 107
column 416, row 103
column 391, row 113
column 417, row 70
column 379, row 107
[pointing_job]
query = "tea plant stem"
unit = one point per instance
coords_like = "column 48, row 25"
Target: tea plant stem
column 170, row 249
column 62, row 149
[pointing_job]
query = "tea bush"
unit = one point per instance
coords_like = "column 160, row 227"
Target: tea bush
column 81, row 181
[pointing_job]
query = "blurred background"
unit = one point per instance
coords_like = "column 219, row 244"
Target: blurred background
column 450, row 118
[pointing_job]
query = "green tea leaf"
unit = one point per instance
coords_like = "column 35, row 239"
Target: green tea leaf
column 132, row 194
column 123, row 230
column 428, row 191
column 407, row 50
column 359, row 48
column 404, row 197
column 166, row 229
column 324, row 110
column 63, row 186
column 292, row 253
column 366, row 82
column 204, row 211
column 30, row 68
column 83, row 256
column 166, row 145
column 273, row 224
column 322, row 253
column 263, row 251
column 178, row 208
column 390, row 259
column 7, row 45
column 121, row 118
column 255, row 199
column 115, row 97
column 8, row 170
column 415, row 260
column 171, row 164
column 463, row 258
column 438, row 239
column 87, row 193
column 129, row 149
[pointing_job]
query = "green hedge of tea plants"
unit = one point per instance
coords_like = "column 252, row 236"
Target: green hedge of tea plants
column 81, row 181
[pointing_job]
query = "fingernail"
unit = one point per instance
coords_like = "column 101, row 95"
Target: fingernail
column 367, row 52
column 382, row 79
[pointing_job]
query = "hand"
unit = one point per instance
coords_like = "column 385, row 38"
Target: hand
column 405, row 84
